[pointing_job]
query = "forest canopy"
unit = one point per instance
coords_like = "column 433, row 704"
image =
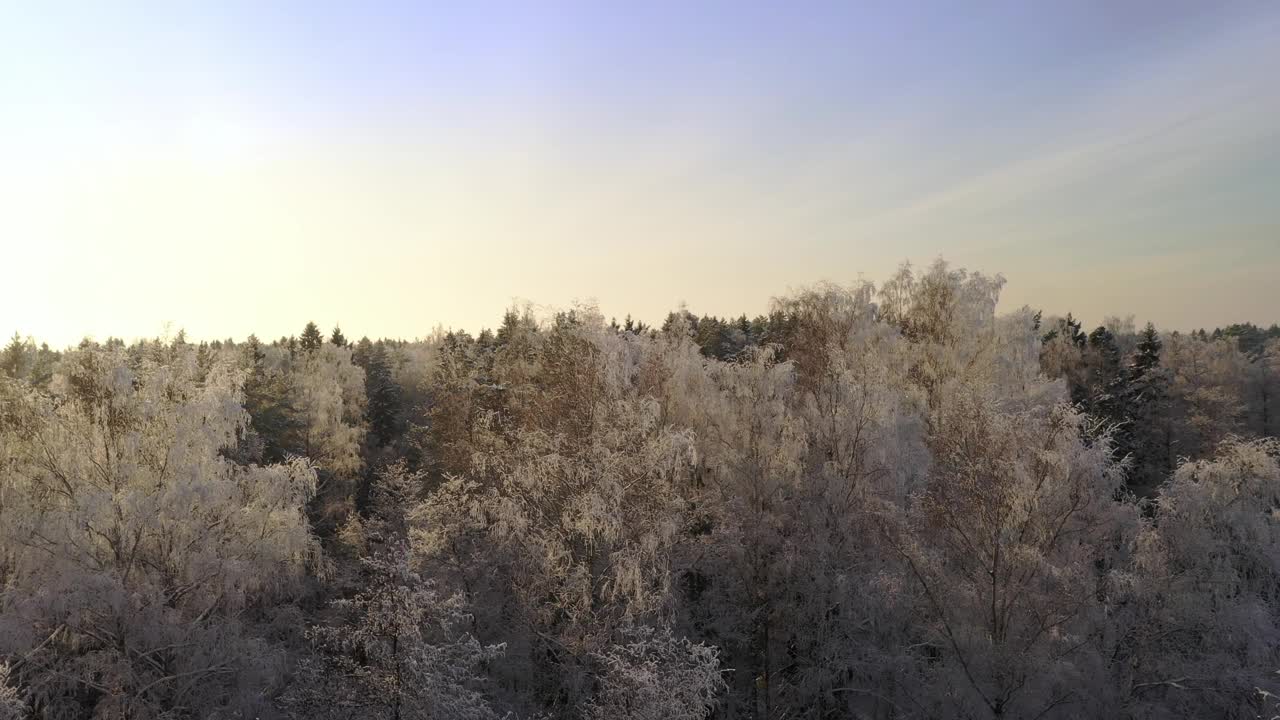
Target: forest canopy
column 876, row 501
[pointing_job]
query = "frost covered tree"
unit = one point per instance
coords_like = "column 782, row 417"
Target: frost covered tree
column 998, row 550
column 1207, row 390
column 892, row 503
column 1003, row 546
column 393, row 651
column 329, row 398
column 1263, row 391
column 570, row 518
column 1194, row 616
column 398, row 646
column 456, row 403
column 138, row 559
column 653, row 675
column 752, row 469
column 12, row 706
column 948, row 317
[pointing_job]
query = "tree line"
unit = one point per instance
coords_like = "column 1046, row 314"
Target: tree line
column 873, row 502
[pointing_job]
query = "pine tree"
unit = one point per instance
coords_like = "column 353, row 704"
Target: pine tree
column 273, row 416
column 400, row 648
column 42, row 371
column 1106, row 377
column 337, row 338
column 383, row 395
column 1074, row 331
column 1148, row 352
column 11, row 360
column 510, row 325
column 1147, row 407
column 311, row 337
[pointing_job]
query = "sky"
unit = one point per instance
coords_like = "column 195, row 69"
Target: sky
column 244, row 167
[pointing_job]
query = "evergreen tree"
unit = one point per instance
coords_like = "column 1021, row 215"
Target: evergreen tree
column 1249, row 338
column 1148, row 352
column 1106, row 390
column 1074, row 331
column 383, row 395
column 42, row 371
column 311, row 339
column 510, row 325
column 1106, row 376
column 273, row 416
column 1068, row 328
column 1148, row 409
column 360, row 351
column 13, row 356
column 337, row 338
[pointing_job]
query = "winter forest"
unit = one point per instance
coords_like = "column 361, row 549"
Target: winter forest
column 883, row 501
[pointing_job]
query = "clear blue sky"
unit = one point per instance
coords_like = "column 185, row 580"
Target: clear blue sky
column 243, row 167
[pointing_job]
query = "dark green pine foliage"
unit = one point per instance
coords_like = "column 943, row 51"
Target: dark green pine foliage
column 276, row 429
column 311, row 338
column 778, row 330
column 1073, row 330
column 1108, row 381
column 1147, row 355
column 487, row 342
column 717, row 338
column 510, row 326
column 1147, row 403
column 1251, row 339
column 22, row 360
column 337, row 338
column 635, row 327
column 1068, row 327
column 41, row 371
column 13, row 358
column 381, row 391
column 1105, row 389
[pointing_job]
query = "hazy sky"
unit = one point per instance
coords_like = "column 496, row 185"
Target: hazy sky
column 248, row 166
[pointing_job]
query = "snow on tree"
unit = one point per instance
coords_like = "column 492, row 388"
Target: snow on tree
column 1207, row 390
column 1002, row 542
column 1003, row 545
column 1194, row 619
column 331, row 402
column 399, row 647
column 1263, row 391
column 948, row 317
column 12, row 706
column 394, row 651
column 889, row 504
column 653, row 675
column 136, row 553
column 578, row 510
